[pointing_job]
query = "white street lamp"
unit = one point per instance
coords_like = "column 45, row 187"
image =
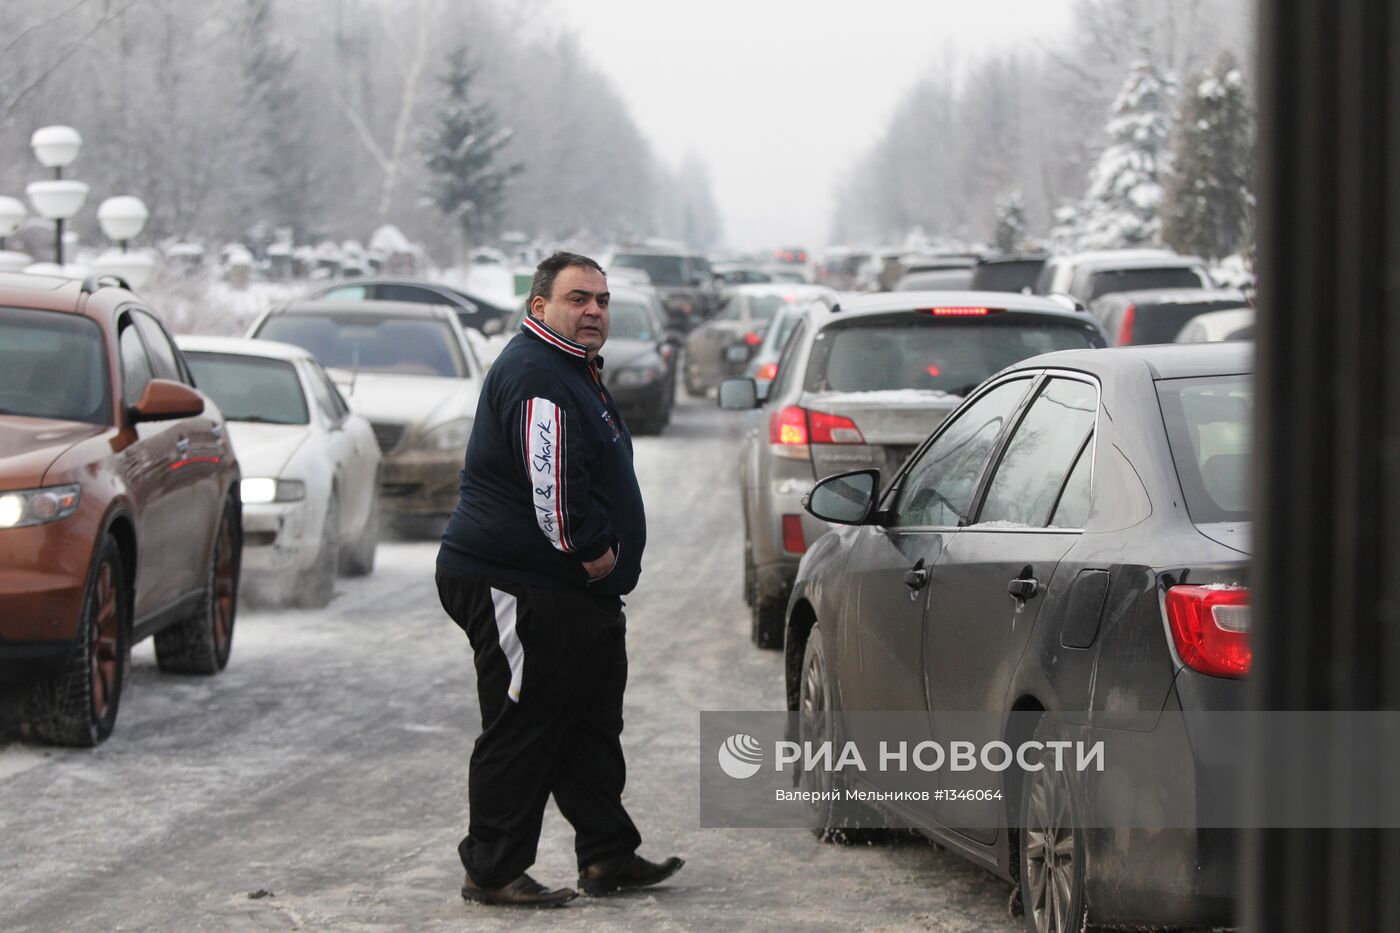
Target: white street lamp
column 122, row 218
column 56, row 147
column 58, row 199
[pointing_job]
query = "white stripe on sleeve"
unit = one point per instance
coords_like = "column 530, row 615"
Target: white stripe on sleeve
column 544, row 455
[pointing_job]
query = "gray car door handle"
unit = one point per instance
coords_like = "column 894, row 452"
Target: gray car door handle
column 1023, row 588
column 916, row 578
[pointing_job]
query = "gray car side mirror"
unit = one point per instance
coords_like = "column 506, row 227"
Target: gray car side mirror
column 738, row 395
column 846, row 498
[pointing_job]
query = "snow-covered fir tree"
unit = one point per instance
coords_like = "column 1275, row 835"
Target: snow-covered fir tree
column 468, row 182
column 1011, row 222
column 1066, row 231
column 1208, row 202
column 1125, row 188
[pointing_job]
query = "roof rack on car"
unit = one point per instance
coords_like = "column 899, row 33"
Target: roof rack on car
column 101, row 279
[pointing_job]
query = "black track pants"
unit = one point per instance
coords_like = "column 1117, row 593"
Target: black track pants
column 551, row 666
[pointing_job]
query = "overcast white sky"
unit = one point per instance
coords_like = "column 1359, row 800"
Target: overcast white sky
column 780, row 97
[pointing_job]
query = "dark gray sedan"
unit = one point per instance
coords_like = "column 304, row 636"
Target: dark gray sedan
column 1072, row 542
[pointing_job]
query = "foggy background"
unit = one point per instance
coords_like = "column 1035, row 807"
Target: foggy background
column 749, row 125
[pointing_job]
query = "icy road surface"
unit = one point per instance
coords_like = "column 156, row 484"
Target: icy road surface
column 327, row 766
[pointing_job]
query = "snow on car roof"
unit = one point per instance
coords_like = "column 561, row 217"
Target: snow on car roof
column 242, row 346
column 885, row 302
column 803, row 289
column 1164, row 361
column 371, row 308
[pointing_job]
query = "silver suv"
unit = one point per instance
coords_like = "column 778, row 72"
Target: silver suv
column 859, row 387
column 683, row 279
column 1086, row 276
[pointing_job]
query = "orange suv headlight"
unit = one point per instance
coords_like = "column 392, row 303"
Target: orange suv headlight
column 22, row 507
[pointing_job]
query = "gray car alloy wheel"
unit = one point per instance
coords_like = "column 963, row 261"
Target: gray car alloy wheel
column 1052, row 856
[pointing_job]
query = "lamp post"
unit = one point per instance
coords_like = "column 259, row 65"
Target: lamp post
column 12, row 214
column 58, row 199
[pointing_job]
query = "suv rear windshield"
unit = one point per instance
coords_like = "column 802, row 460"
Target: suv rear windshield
column 663, row 270
column 1160, row 323
column 919, row 351
column 1133, row 280
column 247, row 388
column 407, row 346
column 1010, row 276
column 1207, row 423
column 53, row 366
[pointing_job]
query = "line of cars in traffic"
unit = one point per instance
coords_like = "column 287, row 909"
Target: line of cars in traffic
column 149, row 483
column 970, row 502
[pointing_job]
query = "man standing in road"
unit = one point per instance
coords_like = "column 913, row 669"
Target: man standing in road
column 545, row 540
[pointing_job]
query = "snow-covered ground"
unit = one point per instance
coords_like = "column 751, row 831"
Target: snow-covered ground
column 320, row 782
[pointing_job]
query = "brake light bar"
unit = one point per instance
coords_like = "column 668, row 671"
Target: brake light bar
column 1211, row 628
column 953, row 311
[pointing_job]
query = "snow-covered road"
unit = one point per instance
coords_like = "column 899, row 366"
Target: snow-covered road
column 320, row 782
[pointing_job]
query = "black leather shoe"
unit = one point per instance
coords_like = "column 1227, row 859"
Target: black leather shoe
column 522, row 892
column 623, row 874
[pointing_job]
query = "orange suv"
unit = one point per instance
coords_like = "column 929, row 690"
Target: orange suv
column 119, row 506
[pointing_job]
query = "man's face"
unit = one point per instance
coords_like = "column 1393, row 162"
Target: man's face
column 578, row 307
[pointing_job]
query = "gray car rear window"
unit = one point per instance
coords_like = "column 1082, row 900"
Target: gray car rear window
column 919, row 351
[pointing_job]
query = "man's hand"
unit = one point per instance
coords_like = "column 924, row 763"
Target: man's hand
column 601, row 566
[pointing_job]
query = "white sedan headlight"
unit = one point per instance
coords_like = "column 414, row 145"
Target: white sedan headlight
column 450, row 435
column 260, row 490
column 37, row 506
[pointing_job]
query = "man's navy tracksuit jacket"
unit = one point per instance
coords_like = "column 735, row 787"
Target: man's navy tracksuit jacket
column 548, row 484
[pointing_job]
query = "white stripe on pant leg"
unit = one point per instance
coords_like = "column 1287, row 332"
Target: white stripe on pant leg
column 510, row 641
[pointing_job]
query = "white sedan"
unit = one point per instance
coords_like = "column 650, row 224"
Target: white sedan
column 310, row 466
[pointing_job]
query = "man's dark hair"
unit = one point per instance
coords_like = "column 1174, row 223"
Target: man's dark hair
column 549, row 269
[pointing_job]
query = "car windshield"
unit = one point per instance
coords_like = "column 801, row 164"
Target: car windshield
column 1208, row 428
column 1011, row 276
column 1132, row 280
column 919, row 351
column 248, row 388
column 763, row 307
column 53, row 366
column 405, row 346
column 628, row 321
column 663, row 270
